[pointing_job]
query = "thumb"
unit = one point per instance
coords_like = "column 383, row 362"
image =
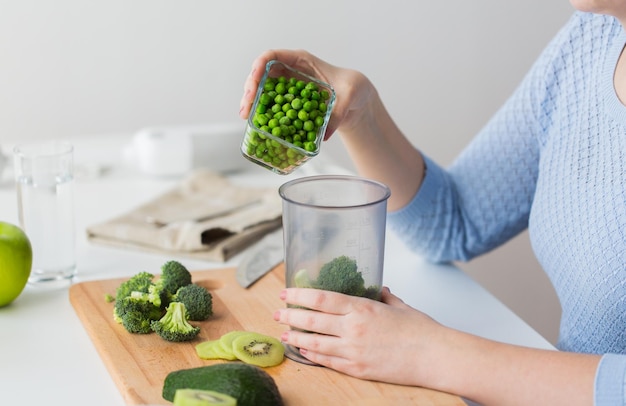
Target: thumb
column 391, row 299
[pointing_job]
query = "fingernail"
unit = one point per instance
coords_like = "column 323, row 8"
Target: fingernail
column 284, row 336
column 283, row 295
column 277, row 315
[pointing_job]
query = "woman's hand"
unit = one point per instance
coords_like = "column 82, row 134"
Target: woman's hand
column 351, row 87
column 391, row 342
column 374, row 142
column 358, row 336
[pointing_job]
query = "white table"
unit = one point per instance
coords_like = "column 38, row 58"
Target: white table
column 47, row 357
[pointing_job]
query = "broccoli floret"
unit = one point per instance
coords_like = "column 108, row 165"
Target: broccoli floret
column 136, row 323
column 174, row 276
column 173, row 326
column 134, row 295
column 135, row 311
column 197, row 300
column 140, row 282
column 341, row 275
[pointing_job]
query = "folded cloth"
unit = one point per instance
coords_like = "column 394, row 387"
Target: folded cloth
column 205, row 217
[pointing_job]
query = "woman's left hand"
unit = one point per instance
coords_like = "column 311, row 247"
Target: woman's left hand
column 384, row 341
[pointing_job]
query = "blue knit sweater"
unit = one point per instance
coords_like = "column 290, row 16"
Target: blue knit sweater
column 553, row 160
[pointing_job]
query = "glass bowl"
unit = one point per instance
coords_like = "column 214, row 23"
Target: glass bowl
column 288, row 119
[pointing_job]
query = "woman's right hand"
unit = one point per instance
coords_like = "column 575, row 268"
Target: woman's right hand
column 352, row 88
column 374, row 142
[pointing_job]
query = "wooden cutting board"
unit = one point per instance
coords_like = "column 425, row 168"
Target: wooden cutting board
column 140, row 363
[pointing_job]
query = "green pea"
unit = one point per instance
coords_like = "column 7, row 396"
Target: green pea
column 296, row 104
column 265, row 99
column 276, row 131
column 275, row 108
column 303, row 115
column 308, row 126
column 319, row 121
column 291, row 113
column 311, row 136
column 253, row 138
column 269, row 85
column 305, row 93
column 280, row 88
column 273, row 123
column 279, row 99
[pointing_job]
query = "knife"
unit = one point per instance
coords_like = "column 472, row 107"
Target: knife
column 260, row 258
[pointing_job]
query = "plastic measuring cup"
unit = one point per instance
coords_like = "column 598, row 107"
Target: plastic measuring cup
column 334, row 220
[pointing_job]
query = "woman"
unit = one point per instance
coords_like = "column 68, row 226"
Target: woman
column 552, row 159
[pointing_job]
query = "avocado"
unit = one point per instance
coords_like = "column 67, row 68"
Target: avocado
column 249, row 384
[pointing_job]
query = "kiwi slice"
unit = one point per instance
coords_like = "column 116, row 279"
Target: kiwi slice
column 258, row 349
column 226, row 341
column 213, row 350
column 198, row 397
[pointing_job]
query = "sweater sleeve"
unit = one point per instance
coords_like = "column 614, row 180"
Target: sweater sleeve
column 610, row 382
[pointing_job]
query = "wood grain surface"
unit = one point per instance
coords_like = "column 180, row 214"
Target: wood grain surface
column 139, row 364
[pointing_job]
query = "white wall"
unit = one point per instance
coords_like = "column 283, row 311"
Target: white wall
column 79, row 67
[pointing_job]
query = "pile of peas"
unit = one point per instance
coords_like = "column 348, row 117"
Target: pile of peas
column 292, row 110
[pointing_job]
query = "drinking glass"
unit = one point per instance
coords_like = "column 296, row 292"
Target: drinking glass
column 44, row 178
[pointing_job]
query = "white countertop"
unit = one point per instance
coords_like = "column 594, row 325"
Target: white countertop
column 47, row 357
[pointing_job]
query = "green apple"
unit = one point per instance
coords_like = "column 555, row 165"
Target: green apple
column 16, row 259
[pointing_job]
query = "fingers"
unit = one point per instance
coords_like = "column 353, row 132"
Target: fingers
column 292, row 58
column 309, row 320
column 321, row 349
column 320, row 300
